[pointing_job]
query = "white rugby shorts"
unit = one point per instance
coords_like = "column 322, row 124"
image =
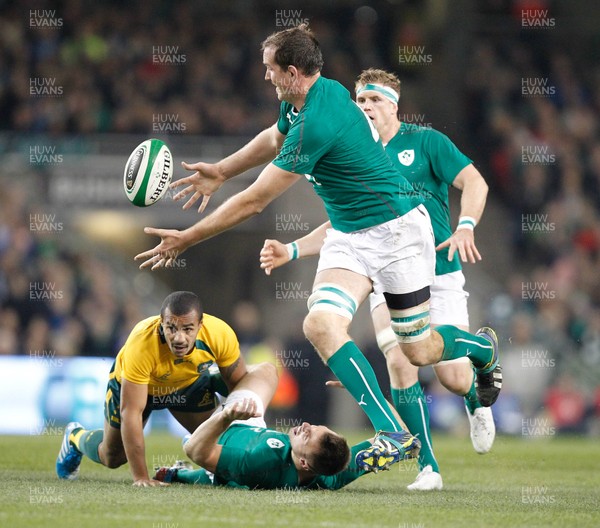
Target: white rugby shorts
column 398, row 256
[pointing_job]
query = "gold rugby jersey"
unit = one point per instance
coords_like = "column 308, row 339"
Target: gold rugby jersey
column 146, row 358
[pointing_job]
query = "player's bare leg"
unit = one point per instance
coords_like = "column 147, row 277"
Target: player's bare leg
column 102, row 446
column 457, row 375
column 337, row 293
column 425, row 346
column 409, row 399
column 111, row 451
column 261, row 381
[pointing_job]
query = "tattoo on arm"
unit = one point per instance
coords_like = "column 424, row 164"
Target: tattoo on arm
column 227, row 372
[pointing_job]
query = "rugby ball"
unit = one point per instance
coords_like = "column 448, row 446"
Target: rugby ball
column 148, row 173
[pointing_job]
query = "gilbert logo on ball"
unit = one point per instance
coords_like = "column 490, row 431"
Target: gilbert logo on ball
column 148, row 172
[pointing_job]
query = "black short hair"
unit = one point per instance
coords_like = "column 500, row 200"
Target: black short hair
column 182, row 303
column 297, row 47
column 333, row 455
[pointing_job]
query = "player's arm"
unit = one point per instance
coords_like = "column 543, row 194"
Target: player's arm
column 233, row 373
column 275, row 254
column 271, row 182
column 202, row 447
column 260, row 150
column 208, row 177
column 133, row 401
column 472, row 203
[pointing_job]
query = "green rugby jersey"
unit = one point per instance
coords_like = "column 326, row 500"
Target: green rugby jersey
column 260, row 458
column 430, row 162
column 332, row 142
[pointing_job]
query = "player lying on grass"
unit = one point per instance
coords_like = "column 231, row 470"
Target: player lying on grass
column 164, row 364
column 431, row 163
column 235, row 447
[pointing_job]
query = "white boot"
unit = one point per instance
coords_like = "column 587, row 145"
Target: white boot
column 483, row 429
column 427, row 480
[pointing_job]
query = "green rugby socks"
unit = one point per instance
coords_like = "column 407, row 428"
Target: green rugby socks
column 471, row 400
column 193, row 476
column 458, row 343
column 412, row 408
column 354, row 371
column 87, row 442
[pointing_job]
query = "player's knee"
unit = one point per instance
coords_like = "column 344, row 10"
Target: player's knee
column 271, row 371
column 314, row 328
column 266, row 371
column 193, row 451
column 327, row 300
column 402, row 373
column 396, row 360
column 188, row 449
column 416, row 354
column 114, row 459
column 387, row 343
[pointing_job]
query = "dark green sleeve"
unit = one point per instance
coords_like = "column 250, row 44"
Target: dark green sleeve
column 283, row 124
column 350, row 474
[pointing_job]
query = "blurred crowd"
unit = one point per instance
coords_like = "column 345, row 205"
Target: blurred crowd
column 58, row 295
column 533, row 108
column 192, row 67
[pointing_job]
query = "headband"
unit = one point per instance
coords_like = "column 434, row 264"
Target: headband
column 388, row 93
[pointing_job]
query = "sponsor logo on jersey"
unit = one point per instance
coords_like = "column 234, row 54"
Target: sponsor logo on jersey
column 406, row 157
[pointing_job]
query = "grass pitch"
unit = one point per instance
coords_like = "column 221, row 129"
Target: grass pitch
column 535, row 483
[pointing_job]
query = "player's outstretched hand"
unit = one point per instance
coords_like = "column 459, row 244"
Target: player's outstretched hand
column 241, row 410
column 205, row 181
column 463, row 241
column 172, row 244
column 335, row 383
column 273, row 255
column 149, row 483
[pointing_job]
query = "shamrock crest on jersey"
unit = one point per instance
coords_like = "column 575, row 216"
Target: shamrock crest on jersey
column 406, row 157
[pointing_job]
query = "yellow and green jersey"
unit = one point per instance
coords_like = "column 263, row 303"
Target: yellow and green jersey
column 145, row 358
column 259, row 458
column 332, row 142
column 430, row 162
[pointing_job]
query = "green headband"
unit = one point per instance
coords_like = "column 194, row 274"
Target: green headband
column 383, row 90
